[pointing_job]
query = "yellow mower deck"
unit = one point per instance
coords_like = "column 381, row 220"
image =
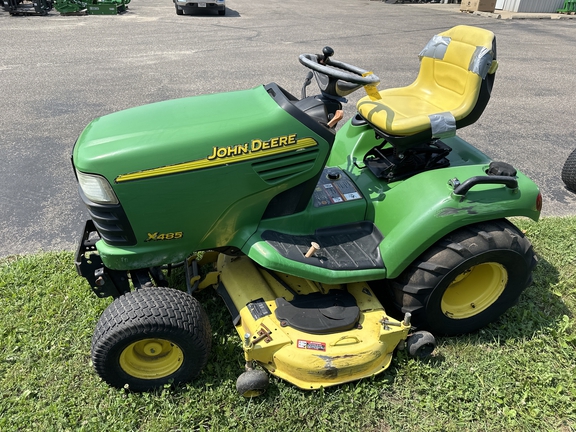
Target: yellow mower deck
column 307, row 360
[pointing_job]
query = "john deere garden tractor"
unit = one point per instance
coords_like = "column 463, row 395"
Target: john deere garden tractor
column 305, row 231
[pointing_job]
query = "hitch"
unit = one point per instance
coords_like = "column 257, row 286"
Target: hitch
column 103, row 281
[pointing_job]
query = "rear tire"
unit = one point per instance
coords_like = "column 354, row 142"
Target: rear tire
column 569, row 172
column 151, row 337
column 178, row 11
column 467, row 279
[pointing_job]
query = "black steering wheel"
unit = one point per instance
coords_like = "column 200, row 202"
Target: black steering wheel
column 336, row 70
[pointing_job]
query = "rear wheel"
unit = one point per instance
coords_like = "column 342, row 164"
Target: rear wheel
column 467, row 279
column 151, row 337
column 569, row 172
column 178, row 10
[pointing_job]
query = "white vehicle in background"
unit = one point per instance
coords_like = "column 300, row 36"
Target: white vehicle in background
column 190, row 6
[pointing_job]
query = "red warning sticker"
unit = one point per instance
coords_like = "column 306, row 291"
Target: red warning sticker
column 311, row 345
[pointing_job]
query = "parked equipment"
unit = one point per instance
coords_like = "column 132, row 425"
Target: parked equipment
column 27, row 7
column 569, row 172
column 65, row 7
column 91, row 7
column 304, row 231
column 192, row 6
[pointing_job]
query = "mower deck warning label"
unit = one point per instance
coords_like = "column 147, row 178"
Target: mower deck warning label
column 335, row 187
column 311, row 345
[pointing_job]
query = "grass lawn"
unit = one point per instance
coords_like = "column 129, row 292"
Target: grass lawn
column 517, row 374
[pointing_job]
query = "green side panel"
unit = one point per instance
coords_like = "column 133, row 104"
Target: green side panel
column 425, row 210
column 197, row 173
column 411, row 214
column 315, row 216
column 415, row 213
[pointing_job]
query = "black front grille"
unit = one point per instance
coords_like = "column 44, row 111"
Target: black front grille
column 111, row 222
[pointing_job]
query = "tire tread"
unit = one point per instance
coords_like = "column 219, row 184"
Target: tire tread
column 569, row 172
column 175, row 314
column 413, row 288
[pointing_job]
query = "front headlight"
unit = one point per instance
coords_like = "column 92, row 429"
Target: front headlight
column 96, row 188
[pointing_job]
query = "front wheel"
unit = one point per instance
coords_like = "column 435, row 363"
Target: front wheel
column 420, row 344
column 151, row 337
column 467, row 279
column 252, row 383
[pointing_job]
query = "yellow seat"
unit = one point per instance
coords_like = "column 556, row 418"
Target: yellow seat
column 451, row 91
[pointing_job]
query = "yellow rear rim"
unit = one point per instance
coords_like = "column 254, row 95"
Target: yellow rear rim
column 151, row 359
column 474, row 290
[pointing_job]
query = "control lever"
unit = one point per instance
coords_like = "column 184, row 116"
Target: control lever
column 307, row 82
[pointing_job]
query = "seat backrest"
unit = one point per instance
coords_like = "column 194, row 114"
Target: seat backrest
column 453, row 66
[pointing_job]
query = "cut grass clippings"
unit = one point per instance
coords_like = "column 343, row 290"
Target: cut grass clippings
column 516, row 374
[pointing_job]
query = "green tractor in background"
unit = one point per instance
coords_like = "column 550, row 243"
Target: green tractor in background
column 65, row 7
column 304, row 231
column 91, row 7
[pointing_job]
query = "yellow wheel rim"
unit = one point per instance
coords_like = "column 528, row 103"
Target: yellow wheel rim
column 474, row 290
column 253, row 393
column 151, row 359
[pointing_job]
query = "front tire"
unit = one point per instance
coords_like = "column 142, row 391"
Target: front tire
column 151, row 337
column 467, row 279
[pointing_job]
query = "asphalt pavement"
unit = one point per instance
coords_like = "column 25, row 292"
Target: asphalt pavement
column 60, row 72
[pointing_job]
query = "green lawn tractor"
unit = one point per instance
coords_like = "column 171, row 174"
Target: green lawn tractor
column 307, row 233
column 91, row 7
column 65, row 7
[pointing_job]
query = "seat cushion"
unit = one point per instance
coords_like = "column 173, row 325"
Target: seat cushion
column 447, row 87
